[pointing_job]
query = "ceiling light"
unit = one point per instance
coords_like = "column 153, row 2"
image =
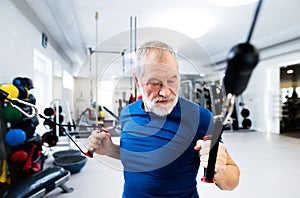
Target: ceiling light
column 290, row 71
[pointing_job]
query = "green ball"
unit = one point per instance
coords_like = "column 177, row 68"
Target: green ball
column 11, row 114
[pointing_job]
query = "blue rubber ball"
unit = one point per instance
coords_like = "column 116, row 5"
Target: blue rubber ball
column 15, row 137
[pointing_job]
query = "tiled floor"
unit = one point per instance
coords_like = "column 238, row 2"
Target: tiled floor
column 269, row 163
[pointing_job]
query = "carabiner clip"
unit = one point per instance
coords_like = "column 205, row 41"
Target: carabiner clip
column 12, row 101
column 228, row 107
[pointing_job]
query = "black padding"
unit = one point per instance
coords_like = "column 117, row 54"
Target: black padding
column 38, row 185
column 241, row 61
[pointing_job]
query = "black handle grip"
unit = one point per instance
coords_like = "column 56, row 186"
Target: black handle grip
column 209, row 172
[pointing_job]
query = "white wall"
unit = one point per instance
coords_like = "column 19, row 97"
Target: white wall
column 20, row 35
column 262, row 96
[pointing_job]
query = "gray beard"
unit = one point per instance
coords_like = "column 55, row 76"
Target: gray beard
column 159, row 109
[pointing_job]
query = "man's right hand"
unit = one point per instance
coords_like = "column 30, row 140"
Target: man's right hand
column 100, row 142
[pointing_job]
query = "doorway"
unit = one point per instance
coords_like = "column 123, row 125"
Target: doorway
column 290, row 100
column 43, row 80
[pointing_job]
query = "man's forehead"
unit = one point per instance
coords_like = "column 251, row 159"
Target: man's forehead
column 159, row 70
column 159, row 67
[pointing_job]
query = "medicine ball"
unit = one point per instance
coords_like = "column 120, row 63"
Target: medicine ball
column 17, row 81
column 28, row 125
column 19, row 156
column 31, row 99
column 11, row 89
column 27, row 82
column 23, row 92
column 11, row 114
column 15, row 137
column 23, row 81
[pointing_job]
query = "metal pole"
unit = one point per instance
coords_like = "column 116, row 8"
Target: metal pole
column 96, row 75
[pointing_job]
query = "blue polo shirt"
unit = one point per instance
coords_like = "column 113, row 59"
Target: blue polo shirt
column 157, row 152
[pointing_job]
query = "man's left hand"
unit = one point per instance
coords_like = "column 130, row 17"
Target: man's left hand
column 204, row 147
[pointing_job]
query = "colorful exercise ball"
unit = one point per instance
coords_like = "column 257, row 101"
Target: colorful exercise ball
column 23, row 81
column 11, row 89
column 15, row 137
column 19, row 156
column 27, row 82
column 31, row 99
column 23, row 92
column 11, row 114
column 17, row 81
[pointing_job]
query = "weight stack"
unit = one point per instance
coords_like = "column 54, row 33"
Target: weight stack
column 246, row 123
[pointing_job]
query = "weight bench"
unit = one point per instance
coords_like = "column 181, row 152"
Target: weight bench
column 39, row 184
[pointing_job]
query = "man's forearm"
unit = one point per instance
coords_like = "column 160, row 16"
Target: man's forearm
column 114, row 152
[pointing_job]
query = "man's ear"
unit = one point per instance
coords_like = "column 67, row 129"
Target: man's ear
column 136, row 80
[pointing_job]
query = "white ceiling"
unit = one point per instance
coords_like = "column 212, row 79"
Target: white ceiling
column 73, row 25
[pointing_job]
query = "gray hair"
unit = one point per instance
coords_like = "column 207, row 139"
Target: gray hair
column 157, row 49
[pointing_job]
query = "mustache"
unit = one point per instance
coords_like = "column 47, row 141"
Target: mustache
column 160, row 99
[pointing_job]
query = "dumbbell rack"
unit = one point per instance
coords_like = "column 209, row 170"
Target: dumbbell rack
column 10, row 176
column 37, row 185
column 4, row 152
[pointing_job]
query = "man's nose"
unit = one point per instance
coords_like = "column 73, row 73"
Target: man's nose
column 164, row 91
